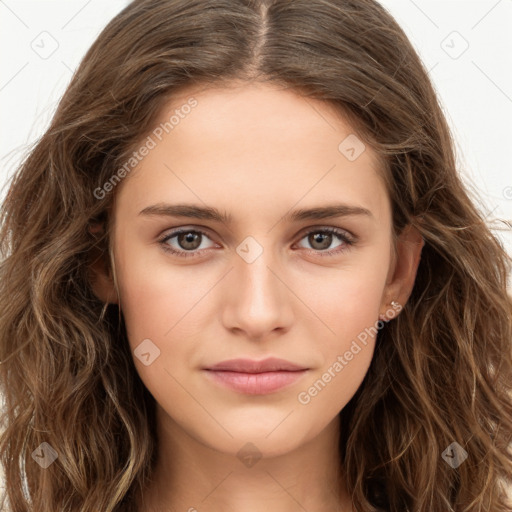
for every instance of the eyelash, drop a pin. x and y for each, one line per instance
(348, 242)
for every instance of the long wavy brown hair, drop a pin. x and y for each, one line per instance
(442, 370)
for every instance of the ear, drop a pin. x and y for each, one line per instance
(403, 268)
(100, 275)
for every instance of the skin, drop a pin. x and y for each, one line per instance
(256, 152)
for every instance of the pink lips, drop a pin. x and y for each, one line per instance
(256, 377)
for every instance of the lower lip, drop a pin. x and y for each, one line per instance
(256, 383)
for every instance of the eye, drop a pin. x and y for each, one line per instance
(189, 241)
(321, 238)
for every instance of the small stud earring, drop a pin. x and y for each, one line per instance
(395, 304)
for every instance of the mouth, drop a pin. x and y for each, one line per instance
(255, 377)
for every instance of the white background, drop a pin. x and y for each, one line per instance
(475, 87)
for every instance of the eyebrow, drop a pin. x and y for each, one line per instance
(209, 213)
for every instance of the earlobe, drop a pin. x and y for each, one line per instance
(100, 277)
(408, 254)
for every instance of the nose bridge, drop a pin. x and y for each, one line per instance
(256, 283)
(258, 298)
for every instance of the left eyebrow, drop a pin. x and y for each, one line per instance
(326, 212)
(213, 214)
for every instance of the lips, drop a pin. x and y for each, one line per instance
(255, 377)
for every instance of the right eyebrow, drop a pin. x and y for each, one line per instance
(187, 210)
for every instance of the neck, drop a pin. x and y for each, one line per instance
(191, 476)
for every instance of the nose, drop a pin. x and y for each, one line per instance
(257, 298)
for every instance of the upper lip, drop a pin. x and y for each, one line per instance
(271, 364)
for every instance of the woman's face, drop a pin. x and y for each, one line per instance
(267, 281)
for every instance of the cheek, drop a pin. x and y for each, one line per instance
(345, 301)
(155, 298)
(348, 306)
(157, 307)
(346, 354)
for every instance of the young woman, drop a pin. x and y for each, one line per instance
(241, 272)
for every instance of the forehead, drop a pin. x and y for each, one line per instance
(255, 112)
(259, 143)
